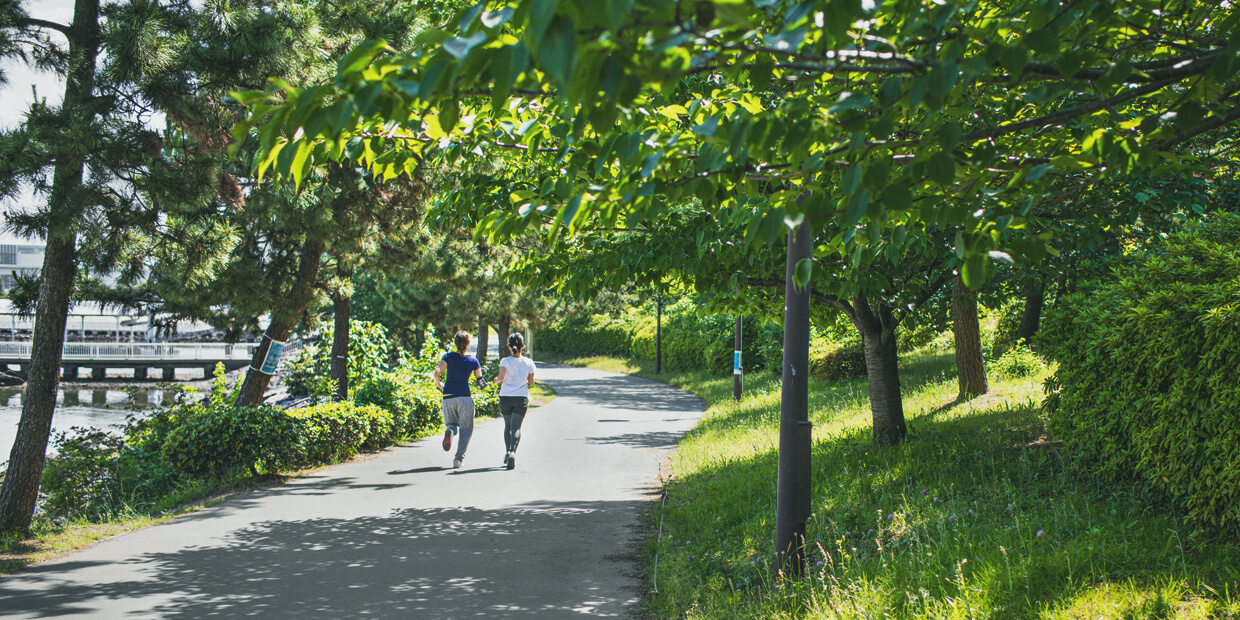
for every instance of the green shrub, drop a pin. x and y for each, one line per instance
(82, 475)
(832, 361)
(1018, 361)
(1147, 383)
(308, 372)
(690, 341)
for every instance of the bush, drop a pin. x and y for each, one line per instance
(1147, 384)
(1019, 361)
(690, 341)
(831, 361)
(309, 372)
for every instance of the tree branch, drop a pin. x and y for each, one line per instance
(32, 22)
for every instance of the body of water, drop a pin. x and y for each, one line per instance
(89, 408)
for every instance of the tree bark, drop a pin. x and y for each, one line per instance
(1032, 316)
(970, 368)
(20, 490)
(882, 371)
(484, 336)
(283, 319)
(505, 325)
(340, 345)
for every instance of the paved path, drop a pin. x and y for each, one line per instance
(403, 535)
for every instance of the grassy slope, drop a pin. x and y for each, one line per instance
(977, 515)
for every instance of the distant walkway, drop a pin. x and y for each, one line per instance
(404, 536)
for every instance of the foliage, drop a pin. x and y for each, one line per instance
(831, 361)
(370, 349)
(691, 339)
(1146, 385)
(1018, 361)
(891, 115)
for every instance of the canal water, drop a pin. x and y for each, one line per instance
(89, 408)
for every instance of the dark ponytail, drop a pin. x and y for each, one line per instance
(516, 342)
(462, 342)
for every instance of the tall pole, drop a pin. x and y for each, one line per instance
(658, 336)
(792, 503)
(737, 380)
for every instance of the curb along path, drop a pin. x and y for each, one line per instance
(403, 535)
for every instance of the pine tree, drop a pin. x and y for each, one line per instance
(118, 191)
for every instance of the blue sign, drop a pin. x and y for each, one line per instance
(274, 353)
(736, 362)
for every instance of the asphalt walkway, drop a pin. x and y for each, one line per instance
(403, 535)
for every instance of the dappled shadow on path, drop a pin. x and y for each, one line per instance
(443, 563)
(627, 393)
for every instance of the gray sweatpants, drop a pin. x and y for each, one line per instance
(458, 416)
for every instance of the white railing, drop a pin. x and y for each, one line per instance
(138, 351)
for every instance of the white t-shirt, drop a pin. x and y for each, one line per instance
(516, 377)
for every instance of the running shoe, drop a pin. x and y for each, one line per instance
(456, 464)
(447, 440)
(512, 461)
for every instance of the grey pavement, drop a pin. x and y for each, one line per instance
(403, 535)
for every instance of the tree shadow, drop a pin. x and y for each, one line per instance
(443, 563)
(624, 393)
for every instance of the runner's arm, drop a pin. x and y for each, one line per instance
(439, 372)
(499, 378)
(530, 379)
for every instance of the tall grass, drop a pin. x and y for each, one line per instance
(978, 514)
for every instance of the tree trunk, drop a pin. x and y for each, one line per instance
(658, 336)
(882, 372)
(484, 335)
(340, 345)
(20, 490)
(505, 324)
(283, 319)
(1032, 315)
(970, 368)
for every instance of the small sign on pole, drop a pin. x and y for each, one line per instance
(272, 361)
(736, 362)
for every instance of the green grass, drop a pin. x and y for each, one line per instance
(977, 515)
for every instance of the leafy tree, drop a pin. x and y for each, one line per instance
(893, 122)
(117, 190)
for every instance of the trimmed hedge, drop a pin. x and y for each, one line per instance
(1147, 384)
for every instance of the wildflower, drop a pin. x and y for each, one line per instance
(923, 491)
(970, 512)
(820, 562)
(936, 499)
(1040, 532)
(890, 517)
(951, 518)
(871, 531)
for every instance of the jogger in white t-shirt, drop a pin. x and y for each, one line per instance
(516, 377)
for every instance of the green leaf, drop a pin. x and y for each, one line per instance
(942, 168)
(495, 19)
(803, 273)
(897, 197)
(856, 207)
(975, 271)
(558, 53)
(949, 135)
(459, 48)
(360, 57)
(1043, 41)
(541, 12)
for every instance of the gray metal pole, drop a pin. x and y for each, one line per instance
(792, 503)
(737, 375)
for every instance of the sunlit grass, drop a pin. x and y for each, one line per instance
(978, 514)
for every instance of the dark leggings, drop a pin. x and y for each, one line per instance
(513, 409)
